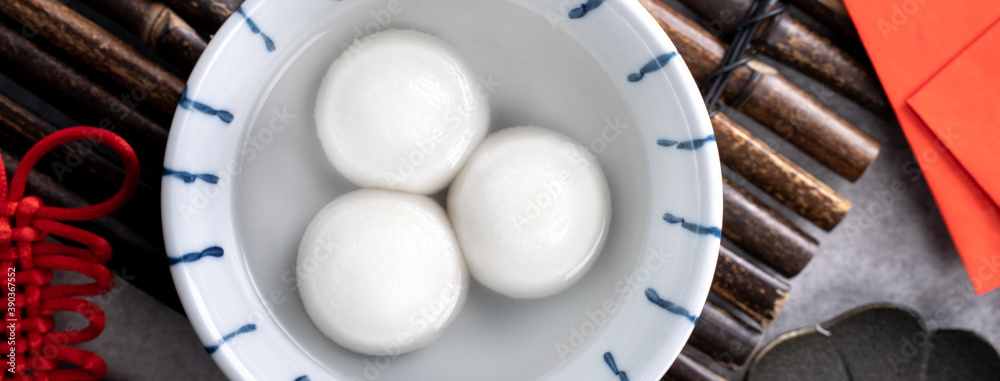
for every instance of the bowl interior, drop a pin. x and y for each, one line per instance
(533, 74)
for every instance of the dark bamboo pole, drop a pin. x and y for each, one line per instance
(788, 40)
(23, 129)
(776, 175)
(53, 78)
(724, 338)
(20, 129)
(842, 147)
(751, 289)
(687, 369)
(763, 233)
(135, 259)
(831, 13)
(207, 14)
(158, 27)
(98, 48)
(759, 91)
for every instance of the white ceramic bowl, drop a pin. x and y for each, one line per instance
(245, 174)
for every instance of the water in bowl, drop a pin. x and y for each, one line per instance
(533, 74)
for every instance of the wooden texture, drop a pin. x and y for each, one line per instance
(831, 13)
(98, 48)
(22, 129)
(811, 126)
(764, 234)
(162, 30)
(751, 289)
(206, 14)
(135, 259)
(788, 40)
(776, 175)
(687, 369)
(807, 51)
(51, 79)
(759, 91)
(724, 338)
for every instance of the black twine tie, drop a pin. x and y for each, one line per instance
(714, 84)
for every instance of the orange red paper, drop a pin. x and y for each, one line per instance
(939, 62)
(965, 98)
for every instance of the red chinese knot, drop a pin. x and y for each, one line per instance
(27, 260)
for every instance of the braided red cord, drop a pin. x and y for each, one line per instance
(41, 354)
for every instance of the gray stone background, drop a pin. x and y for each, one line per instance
(892, 247)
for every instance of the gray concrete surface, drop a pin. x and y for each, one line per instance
(892, 247)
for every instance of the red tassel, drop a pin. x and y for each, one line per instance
(28, 261)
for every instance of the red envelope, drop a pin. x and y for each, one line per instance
(961, 104)
(934, 59)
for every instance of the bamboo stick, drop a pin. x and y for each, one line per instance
(207, 14)
(788, 40)
(158, 27)
(759, 91)
(685, 368)
(98, 48)
(831, 13)
(749, 288)
(41, 71)
(724, 338)
(763, 233)
(776, 175)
